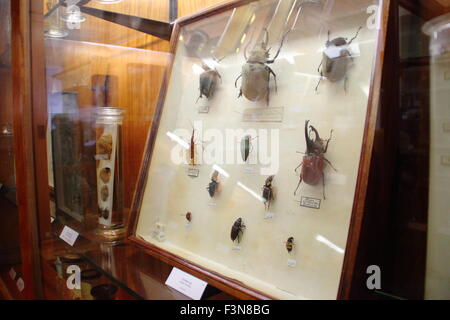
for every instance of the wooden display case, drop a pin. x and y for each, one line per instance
(178, 94)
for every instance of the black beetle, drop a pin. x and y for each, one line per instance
(214, 184)
(256, 72)
(290, 244)
(335, 69)
(268, 192)
(313, 160)
(189, 216)
(208, 82)
(237, 229)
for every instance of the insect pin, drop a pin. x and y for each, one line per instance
(314, 159)
(256, 71)
(290, 244)
(268, 192)
(237, 230)
(214, 184)
(336, 60)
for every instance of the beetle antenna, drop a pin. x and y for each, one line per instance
(356, 36)
(279, 49)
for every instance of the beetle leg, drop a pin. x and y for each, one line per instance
(298, 167)
(235, 83)
(301, 179)
(345, 84)
(274, 77)
(320, 80)
(279, 49)
(328, 161)
(328, 141)
(323, 183)
(357, 33)
(320, 65)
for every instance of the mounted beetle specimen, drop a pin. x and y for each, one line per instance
(268, 192)
(189, 216)
(214, 184)
(313, 160)
(208, 82)
(335, 68)
(246, 147)
(290, 244)
(237, 230)
(256, 72)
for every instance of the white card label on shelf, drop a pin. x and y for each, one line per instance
(20, 284)
(203, 109)
(291, 263)
(269, 215)
(186, 284)
(192, 172)
(69, 235)
(12, 273)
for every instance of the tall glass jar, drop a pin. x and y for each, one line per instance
(109, 164)
(438, 256)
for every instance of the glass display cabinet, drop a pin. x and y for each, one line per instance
(255, 166)
(275, 149)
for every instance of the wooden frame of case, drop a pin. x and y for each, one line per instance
(228, 285)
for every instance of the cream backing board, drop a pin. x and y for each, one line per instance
(437, 279)
(110, 163)
(320, 235)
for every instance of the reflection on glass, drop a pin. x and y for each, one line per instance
(55, 27)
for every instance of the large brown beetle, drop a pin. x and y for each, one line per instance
(237, 229)
(313, 160)
(268, 192)
(256, 72)
(335, 69)
(208, 81)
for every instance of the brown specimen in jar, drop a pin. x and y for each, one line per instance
(104, 146)
(104, 193)
(103, 213)
(105, 174)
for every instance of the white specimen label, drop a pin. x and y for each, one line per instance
(291, 263)
(186, 284)
(69, 235)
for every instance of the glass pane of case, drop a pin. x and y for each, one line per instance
(10, 257)
(255, 163)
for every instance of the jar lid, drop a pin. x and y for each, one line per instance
(104, 291)
(90, 274)
(71, 258)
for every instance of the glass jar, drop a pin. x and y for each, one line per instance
(109, 160)
(104, 292)
(90, 278)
